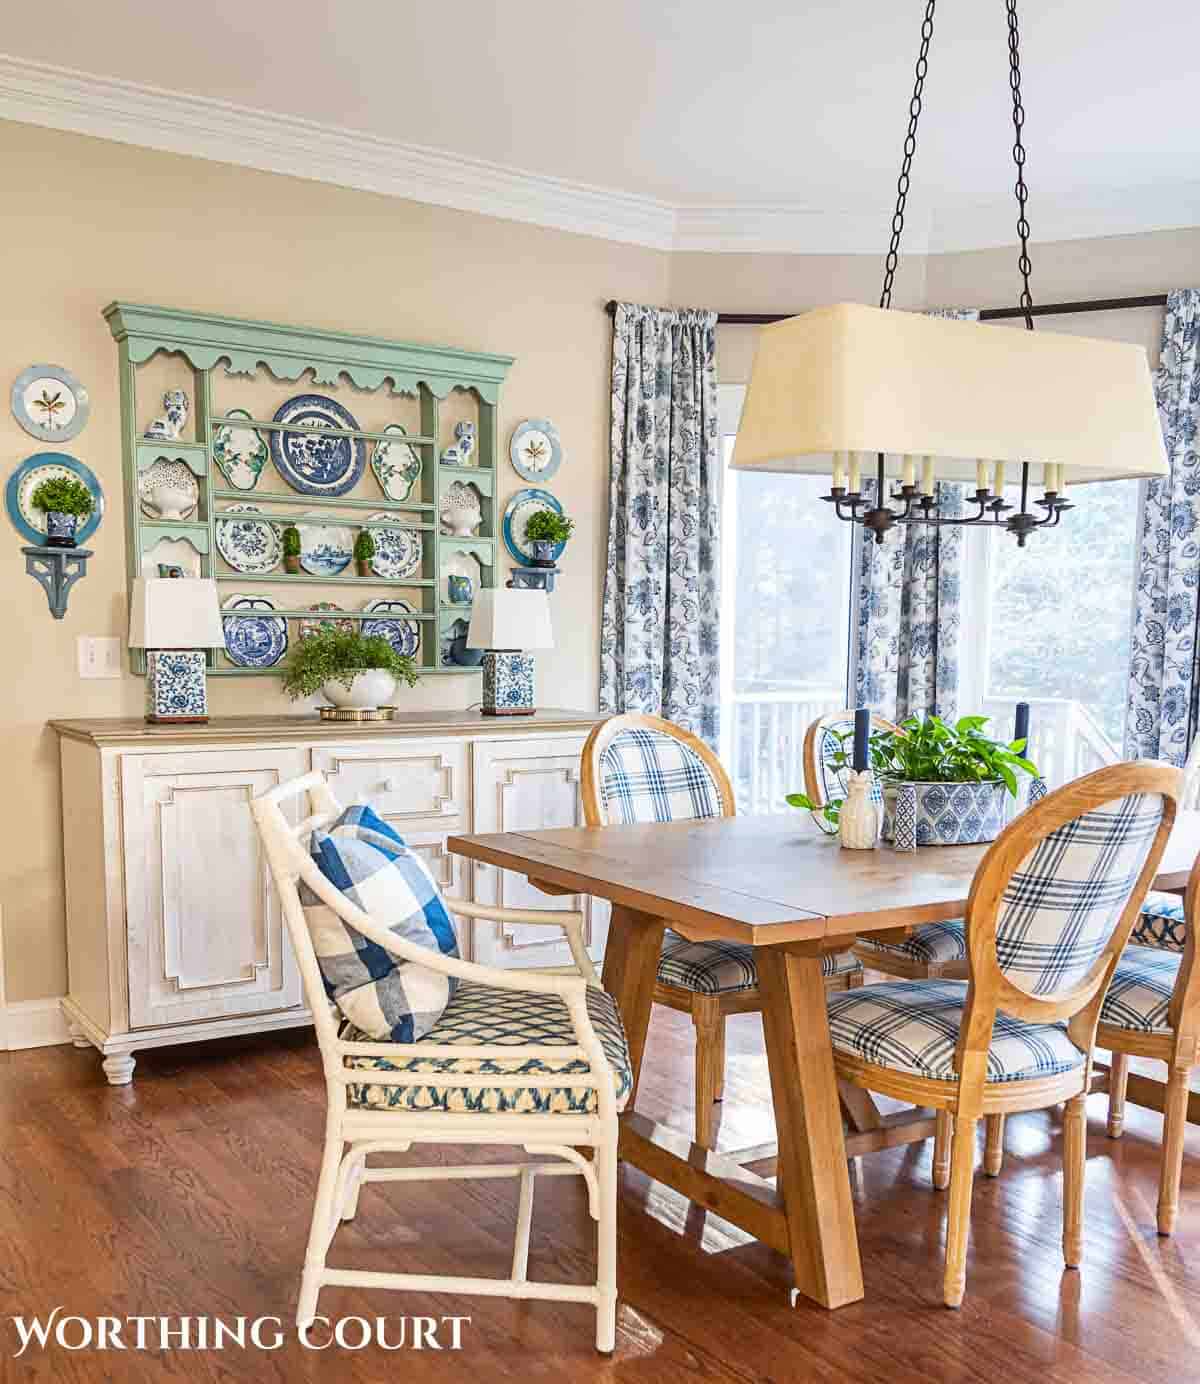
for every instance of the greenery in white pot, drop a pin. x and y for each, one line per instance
(351, 669)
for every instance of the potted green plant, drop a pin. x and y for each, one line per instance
(960, 777)
(291, 549)
(351, 669)
(546, 531)
(364, 551)
(64, 501)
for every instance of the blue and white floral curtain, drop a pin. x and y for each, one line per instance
(909, 590)
(1162, 720)
(659, 641)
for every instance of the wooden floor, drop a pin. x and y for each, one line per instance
(190, 1193)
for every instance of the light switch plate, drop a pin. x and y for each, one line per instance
(99, 656)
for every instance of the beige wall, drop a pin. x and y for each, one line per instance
(95, 221)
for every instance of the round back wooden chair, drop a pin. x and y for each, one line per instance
(1050, 910)
(640, 769)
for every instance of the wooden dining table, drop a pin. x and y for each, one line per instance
(775, 884)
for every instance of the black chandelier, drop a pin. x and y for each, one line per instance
(917, 504)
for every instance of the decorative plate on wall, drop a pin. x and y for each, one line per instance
(311, 463)
(50, 403)
(517, 513)
(30, 523)
(535, 450)
(325, 549)
(254, 638)
(320, 620)
(403, 635)
(249, 545)
(240, 452)
(398, 551)
(396, 465)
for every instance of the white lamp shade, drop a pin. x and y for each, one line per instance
(504, 617)
(175, 613)
(850, 378)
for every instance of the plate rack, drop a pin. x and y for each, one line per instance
(222, 362)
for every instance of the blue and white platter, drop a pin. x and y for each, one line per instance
(248, 545)
(398, 550)
(403, 635)
(396, 465)
(517, 513)
(535, 450)
(309, 462)
(254, 637)
(30, 523)
(325, 549)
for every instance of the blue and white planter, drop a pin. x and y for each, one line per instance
(507, 683)
(950, 814)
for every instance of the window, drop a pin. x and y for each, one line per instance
(785, 626)
(1054, 619)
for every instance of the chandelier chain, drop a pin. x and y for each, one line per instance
(1018, 119)
(910, 145)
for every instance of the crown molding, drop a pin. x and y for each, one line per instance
(133, 113)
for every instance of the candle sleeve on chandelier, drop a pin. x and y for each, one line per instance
(998, 482)
(927, 476)
(839, 471)
(908, 472)
(981, 475)
(855, 473)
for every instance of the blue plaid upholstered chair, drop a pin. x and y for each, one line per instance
(643, 769)
(1152, 1009)
(930, 950)
(1051, 907)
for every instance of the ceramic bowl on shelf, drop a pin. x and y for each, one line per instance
(461, 510)
(168, 490)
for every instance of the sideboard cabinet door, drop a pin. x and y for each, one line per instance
(528, 785)
(206, 938)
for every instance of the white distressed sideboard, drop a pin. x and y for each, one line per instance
(173, 930)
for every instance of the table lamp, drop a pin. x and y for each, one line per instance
(507, 622)
(175, 619)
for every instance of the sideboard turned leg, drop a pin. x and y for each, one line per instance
(118, 1067)
(78, 1037)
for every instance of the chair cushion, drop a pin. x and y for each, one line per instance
(1141, 990)
(719, 968)
(1161, 923)
(648, 776)
(479, 1015)
(929, 944)
(370, 864)
(912, 1026)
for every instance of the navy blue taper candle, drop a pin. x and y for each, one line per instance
(862, 732)
(1021, 727)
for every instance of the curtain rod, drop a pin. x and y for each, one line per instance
(1149, 300)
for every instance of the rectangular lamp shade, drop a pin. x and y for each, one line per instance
(175, 613)
(850, 378)
(504, 617)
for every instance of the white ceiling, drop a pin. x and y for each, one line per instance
(761, 119)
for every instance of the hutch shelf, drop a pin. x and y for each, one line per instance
(237, 374)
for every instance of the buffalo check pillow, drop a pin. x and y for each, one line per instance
(370, 864)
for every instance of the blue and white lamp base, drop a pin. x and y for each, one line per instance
(507, 683)
(176, 685)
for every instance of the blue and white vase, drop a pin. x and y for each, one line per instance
(904, 829)
(169, 425)
(1038, 788)
(507, 683)
(60, 529)
(176, 686)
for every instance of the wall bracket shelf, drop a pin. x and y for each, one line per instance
(56, 570)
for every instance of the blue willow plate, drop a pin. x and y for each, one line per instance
(403, 635)
(309, 462)
(257, 638)
(517, 513)
(30, 523)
